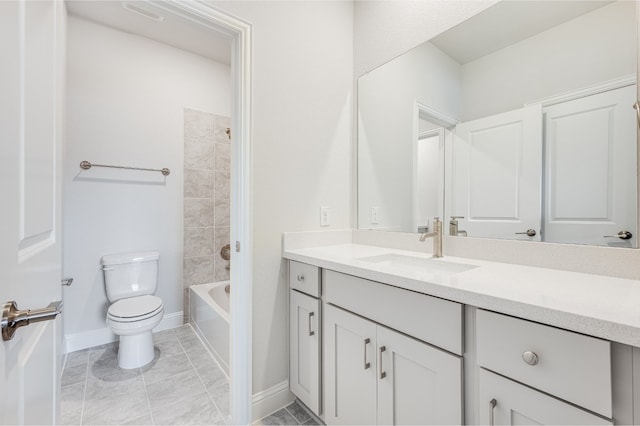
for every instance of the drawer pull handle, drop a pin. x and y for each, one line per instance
(311, 332)
(382, 373)
(300, 277)
(366, 364)
(530, 358)
(492, 405)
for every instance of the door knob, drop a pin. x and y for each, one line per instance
(528, 233)
(623, 235)
(14, 318)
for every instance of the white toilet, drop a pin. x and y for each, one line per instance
(131, 279)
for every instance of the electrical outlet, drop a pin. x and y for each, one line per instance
(375, 212)
(325, 216)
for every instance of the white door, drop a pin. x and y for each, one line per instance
(30, 131)
(350, 366)
(417, 383)
(505, 402)
(590, 162)
(497, 175)
(304, 347)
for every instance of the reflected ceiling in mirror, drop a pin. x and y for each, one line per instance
(567, 67)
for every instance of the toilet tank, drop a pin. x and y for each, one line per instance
(130, 274)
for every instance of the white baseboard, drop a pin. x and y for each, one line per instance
(100, 336)
(270, 400)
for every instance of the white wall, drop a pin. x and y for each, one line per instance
(564, 58)
(125, 100)
(302, 68)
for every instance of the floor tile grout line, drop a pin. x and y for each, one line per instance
(198, 374)
(84, 391)
(146, 394)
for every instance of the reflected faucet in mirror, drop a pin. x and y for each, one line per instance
(453, 227)
(436, 234)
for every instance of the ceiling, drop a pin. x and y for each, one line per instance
(506, 23)
(137, 17)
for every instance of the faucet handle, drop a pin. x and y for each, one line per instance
(457, 217)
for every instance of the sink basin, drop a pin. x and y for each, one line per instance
(439, 266)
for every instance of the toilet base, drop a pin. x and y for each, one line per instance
(136, 350)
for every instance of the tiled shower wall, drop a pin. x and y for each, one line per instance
(207, 163)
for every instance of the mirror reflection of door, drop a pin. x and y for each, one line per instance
(497, 175)
(589, 192)
(428, 149)
(590, 169)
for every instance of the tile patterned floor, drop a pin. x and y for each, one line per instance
(292, 414)
(182, 385)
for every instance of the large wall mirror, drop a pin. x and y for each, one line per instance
(518, 123)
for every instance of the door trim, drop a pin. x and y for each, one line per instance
(240, 33)
(425, 112)
(616, 83)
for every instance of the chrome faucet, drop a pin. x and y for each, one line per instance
(453, 227)
(436, 234)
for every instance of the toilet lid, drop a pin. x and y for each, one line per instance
(135, 307)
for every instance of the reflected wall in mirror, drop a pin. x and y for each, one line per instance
(532, 104)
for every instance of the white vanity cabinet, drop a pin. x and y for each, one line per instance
(376, 375)
(533, 373)
(305, 335)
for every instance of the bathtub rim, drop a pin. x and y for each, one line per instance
(202, 290)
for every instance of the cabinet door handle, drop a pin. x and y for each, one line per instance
(300, 277)
(311, 332)
(366, 364)
(382, 373)
(492, 405)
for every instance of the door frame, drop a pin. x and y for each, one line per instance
(425, 112)
(239, 32)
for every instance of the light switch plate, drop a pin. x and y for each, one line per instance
(325, 216)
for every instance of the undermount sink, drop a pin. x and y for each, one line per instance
(439, 266)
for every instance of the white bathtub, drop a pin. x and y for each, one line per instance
(209, 316)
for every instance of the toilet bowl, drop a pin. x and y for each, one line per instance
(130, 281)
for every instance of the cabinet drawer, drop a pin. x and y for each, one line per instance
(571, 366)
(513, 403)
(305, 278)
(432, 320)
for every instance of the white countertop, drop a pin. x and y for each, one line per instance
(596, 305)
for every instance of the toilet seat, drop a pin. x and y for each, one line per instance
(134, 309)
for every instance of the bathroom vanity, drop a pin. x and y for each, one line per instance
(385, 336)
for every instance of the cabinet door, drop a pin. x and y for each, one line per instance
(350, 366)
(417, 383)
(304, 349)
(517, 404)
